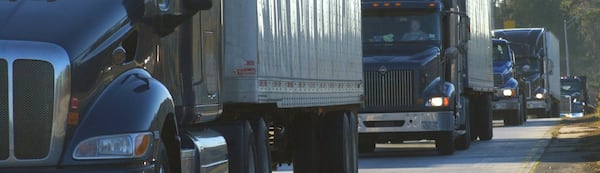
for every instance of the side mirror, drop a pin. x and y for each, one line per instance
(179, 14)
(198, 4)
(525, 68)
(451, 53)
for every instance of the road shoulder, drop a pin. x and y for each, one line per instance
(575, 147)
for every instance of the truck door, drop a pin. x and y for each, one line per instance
(206, 65)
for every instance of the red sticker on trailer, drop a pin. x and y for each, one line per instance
(245, 71)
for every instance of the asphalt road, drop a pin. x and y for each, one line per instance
(512, 149)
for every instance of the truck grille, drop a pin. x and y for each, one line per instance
(33, 97)
(498, 81)
(3, 110)
(389, 90)
(565, 104)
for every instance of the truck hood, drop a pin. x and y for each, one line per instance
(75, 25)
(402, 59)
(501, 66)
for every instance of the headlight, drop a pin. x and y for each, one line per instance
(539, 95)
(574, 100)
(507, 92)
(114, 146)
(437, 102)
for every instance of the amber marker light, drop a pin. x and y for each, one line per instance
(142, 143)
(431, 4)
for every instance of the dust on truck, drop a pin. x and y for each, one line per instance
(159, 86)
(435, 84)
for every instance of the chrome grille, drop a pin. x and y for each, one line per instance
(391, 89)
(529, 92)
(33, 96)
(498, 81)
(4, 151)
(565, 104)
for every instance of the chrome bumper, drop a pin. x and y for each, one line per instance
(405, 122)
(536, 104)
(506, 104)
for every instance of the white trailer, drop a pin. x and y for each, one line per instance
(294, 66)
(552, 48)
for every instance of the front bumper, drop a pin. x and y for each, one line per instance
(405, 122)
(506, 104)
(536, 104)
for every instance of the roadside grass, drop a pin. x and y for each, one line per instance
(590, 142)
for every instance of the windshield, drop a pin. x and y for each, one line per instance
(567, 87)
(501, 53)
(396, 25)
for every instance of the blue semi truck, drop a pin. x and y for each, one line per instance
(427, 73)
(509, 102)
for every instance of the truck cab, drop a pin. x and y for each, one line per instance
(509, 102)
(574, 97)
(426, 76)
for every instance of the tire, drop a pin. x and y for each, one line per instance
(162, 160)
(353, 141)
(305, 154)
(338, 151)
(523, 107)
(366, 144)
(263, 153)
(463, 141)
(444, 143)
(484, 114)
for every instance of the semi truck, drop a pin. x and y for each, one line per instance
(537, 52)
(427, 73)
(574, 96)
(509, 102)
(179, 85)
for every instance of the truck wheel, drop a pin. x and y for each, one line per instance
(261, 138)
(168, 154)
(463, 141)
(339, 154)
(523, 107)
(366, 144)
(353, 141)
(485, 117)
(306, 144)
(444, 143)
(162, 164)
